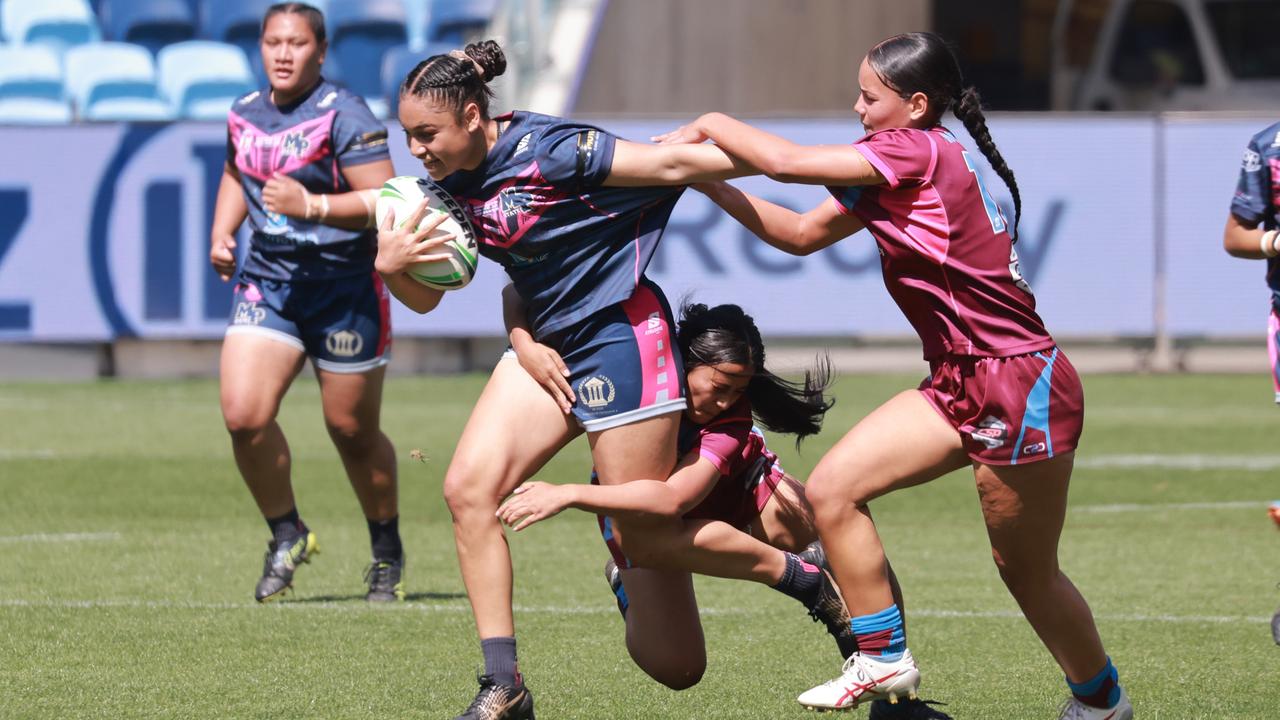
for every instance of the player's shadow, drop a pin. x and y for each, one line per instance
(409, 597)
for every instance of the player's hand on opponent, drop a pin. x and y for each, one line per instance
(222, 255)
(547, 367)
(401, 247)
(282, 194)
(534, 501)
(681, 135)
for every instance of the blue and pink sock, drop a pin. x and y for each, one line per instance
(880, 635)
(1101, 690)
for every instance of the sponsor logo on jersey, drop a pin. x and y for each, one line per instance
(523, 145)
(1252, 161)
(328, 99)
(514, 201)
(596, 392)
(1276, 142)
(1034, 449)
(370, 140)
(654, 324)
(991, 432)
(250, 97)
(344, 343)
(248, 313)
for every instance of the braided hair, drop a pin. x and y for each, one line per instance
(922, 62)
(458, 78)
(727, 334)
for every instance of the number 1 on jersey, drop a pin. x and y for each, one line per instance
(993, 210)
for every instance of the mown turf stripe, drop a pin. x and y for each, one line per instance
(1182, 462)
(1157, 507)
(60, 537)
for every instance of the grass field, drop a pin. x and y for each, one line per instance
(129, 549)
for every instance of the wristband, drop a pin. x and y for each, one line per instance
(1268, 243)
(324, 206)
(308, 210)
(370, 216)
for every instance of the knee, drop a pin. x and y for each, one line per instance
(350, 436)
(466, 493)
(244, 421)
(682, 674)
(1024, 575)
(829, 496)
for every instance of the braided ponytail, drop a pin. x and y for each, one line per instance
(458, 78)
(967, 106)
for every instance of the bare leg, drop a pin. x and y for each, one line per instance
(664, 632)
(255, 373)
(513, 430)
(352, 407)
(1024, 507)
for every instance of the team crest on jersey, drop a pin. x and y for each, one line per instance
(505, 217)
(248, 313)
(344, 343)
(296, 144)
(596, 391)
(1252, 161)
(991, 432)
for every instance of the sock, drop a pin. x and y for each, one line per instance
(800, 580)
(500, 660)
(384, 538)
(880, 634)
(287, 526)
(1101, 690)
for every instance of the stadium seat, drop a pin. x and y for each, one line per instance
(114, 81)
(201, 78)
(150, 23)
(30, 71)
(397, 63)
(360, 33)
(34, 111)
(62, 23)
(456, 22)
(238, 22)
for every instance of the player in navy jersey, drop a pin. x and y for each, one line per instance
(736, 513)
(573, 214)
(1001, 398)
(1253, 233)
(303, 159)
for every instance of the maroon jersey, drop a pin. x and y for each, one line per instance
(945, 249)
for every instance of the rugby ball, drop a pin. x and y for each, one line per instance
(402, 195)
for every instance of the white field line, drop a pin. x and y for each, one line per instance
(1156, 507)
(459, 607)
(1193, 461)
(59, 537)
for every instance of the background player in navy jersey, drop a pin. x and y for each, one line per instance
(573, 215)
(743, 517)
(1002, 398)
(301, 155)
(1253, 233)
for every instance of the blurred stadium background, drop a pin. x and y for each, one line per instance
(1124, 121)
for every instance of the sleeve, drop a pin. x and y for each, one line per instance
(903, 156)
(722, 442)
(358, 136)
(1250, 200)
(575, 157)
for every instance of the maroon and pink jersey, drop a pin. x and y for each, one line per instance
(945, 250)
(749, 471)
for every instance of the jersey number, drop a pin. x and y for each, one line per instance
(993, 210)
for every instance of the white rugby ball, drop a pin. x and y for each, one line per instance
(402, 196)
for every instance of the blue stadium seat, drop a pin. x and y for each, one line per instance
(150, 23)
(34, 111)
(30, 71)
(239, 23)
(114, 81)
(201, 78)
(360, 33)
(397, 63)
(62, 23)
(457, 21)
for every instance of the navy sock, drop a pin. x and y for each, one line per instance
(384, 538)
(500, 660)
(1101, 690)
(286, 526)
(800, 580)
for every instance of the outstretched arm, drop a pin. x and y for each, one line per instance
(789, 231)
(637, 499)
(1242, 241)
(777, 157)
(637, 164)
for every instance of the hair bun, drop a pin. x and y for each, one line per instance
(489, 56)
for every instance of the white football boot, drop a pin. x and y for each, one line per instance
(865, 678)
(1073, 709)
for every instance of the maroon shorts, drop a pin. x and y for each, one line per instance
(1009, 410)
(737, 501)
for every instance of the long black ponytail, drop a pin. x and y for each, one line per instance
(727, 334)
(924, 63)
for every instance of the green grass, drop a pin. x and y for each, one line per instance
(154, 618)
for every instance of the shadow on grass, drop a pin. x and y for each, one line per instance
(409, 597)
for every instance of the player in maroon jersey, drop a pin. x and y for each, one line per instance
(1001, 396)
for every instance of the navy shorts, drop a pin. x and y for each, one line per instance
(344, 325)
(623, 362)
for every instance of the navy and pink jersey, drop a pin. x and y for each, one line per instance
(1257, 198)
(749, 471)
(571, 245)
(311, 140)
(945, 250)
